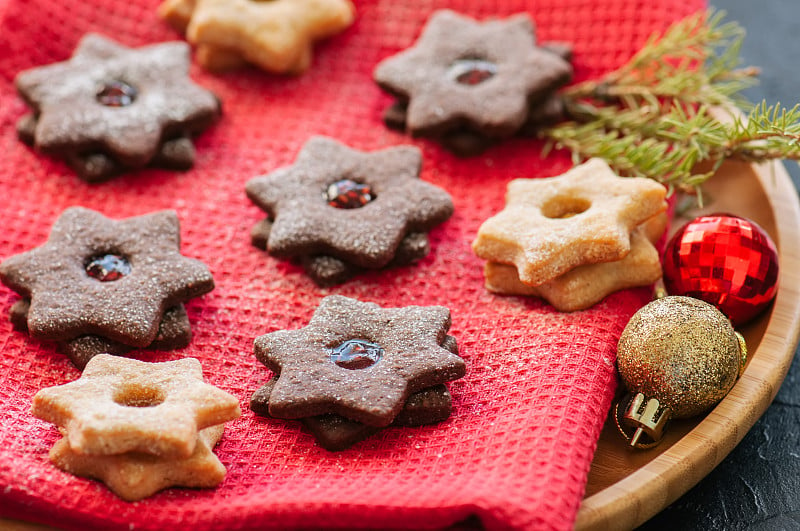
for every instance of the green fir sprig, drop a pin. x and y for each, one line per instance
(671, 107)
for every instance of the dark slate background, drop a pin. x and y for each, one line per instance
(758, 485)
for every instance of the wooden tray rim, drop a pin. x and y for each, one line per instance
(639, 496)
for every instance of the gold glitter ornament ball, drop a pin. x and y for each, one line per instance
(681, 351)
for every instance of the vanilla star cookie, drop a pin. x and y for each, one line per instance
(134, 475)
(122, 405)
(277, 36)
(587, 285)
(552, 225)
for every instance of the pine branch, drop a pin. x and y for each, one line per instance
(652, 116)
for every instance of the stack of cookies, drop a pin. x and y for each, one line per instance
(110, 109)
(336, 432)
(575, 238)
(357, 368)
(340, 211)
(106, 286)
(138, 427)
(276, 36)
(469, 84)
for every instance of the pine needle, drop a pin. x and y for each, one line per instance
(653, 117)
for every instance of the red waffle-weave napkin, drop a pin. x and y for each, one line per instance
(527, 416)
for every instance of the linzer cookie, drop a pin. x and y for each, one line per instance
(174, 332)
(552, 225)
(341, 211)
(110, 109)
(471, 83)
(138, 427)
(328, 271)
(584, 286)
(334, 432)
(277, 36)
(358, 360)
(101, 285)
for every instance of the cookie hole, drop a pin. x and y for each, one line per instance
(347, 194)
(356, 354)
(562, 207)
(107, 267)
(116, 93)
(133, 395)
(471, 71)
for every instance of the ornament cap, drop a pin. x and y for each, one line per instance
(641, 420)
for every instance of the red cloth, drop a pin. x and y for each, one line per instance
(527, 415)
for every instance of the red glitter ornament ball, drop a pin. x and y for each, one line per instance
(725, 260)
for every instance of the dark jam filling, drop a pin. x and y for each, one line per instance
(108, 267)
(116, 94)
(355, 354)
(347, 193)
(471, 71)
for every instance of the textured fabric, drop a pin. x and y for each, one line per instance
(527, 415)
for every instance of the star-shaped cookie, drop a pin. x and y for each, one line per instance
(552, 225)
(277, 36)
(358, 360)
(122, 405)
(587, 285)
(133, 476)
(329, 271)
(116, 103)
(482, 76)
(334, 432)
(173, 154)
(389, 202)
(465, 142)
(174, 331)
(111, 278)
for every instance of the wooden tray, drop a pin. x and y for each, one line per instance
(626, 487)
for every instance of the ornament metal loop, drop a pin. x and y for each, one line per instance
(641, 420)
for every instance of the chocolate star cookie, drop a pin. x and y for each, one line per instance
(174, 331)
(122, 405)
(552, 225)
(329, 271)
(110, 108)
(277, 36)
(358, 360)
(481, 77)
(463, 141)
(110, 278)
(363, 209)
(173, 154)
(334, 432)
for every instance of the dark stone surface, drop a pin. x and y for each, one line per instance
(758, 485)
